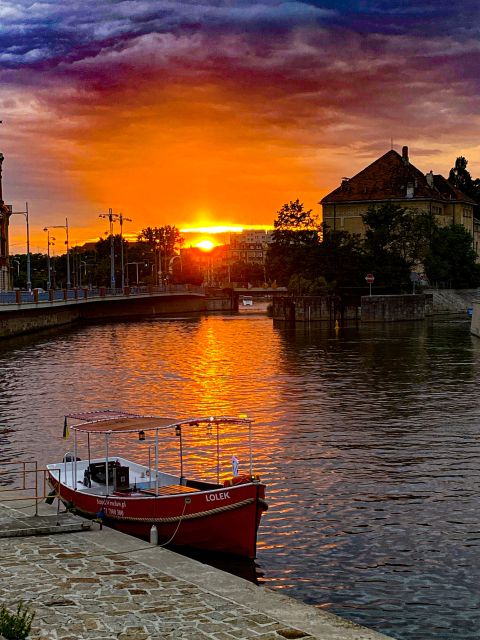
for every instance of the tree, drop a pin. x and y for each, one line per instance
(460, 177)
(451, 259)
(396, 241)
(295, 226)
(339, 259)
(296, 233)
(164, 242)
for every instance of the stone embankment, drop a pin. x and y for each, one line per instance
(98, 584)
(24, 318)
(452, 300)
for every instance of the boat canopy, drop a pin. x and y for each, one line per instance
(108, 421)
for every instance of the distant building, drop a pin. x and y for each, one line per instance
(393, 178)
(5, 212)
(249, 246)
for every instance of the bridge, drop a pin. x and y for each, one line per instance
(24, 312)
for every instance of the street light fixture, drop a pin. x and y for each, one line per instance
(49, 270)
(25, 214)
(63, 226)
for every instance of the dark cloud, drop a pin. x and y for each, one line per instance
(327, 72)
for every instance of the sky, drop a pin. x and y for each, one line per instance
(217, 112)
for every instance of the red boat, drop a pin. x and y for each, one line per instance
(165, 508)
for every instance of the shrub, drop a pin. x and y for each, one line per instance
(16, 626)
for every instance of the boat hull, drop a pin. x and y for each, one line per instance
(222, 520)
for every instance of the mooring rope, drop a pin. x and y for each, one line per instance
(188, 516)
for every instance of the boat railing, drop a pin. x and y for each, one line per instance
(24, 480)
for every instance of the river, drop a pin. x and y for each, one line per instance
(367, 438)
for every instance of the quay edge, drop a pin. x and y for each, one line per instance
(106, 582)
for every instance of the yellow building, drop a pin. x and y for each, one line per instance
(393, 178)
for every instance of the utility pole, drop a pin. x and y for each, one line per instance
(114, 217)
(122, 219)
(25, 214)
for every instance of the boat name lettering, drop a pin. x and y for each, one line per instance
(223, 495)
(111, 503)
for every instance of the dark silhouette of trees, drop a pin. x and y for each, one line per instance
(460, 177)
(451, 259)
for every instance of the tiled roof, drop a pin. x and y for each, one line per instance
(449, 191)
(394, 177)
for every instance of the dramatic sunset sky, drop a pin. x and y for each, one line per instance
(210, 112)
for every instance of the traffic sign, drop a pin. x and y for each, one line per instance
(370, 278)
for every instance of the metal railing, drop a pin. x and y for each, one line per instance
(85, 293)
(28, 480)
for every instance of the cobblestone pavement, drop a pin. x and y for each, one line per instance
(77, 591)
(102, 584)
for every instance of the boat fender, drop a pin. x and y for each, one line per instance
(153, 535)
(51, 496)
(240, 480)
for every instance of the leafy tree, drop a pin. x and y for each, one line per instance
(165, 240)
(294, 225)
(296, 232)
(396, 241)
(460, 177)
(301, 286)
(241, 271)
(451, 259)
(339, 259)
(190, 272)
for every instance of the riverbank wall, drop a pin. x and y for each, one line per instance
(393, 308)
(19, 319)
(374, 308)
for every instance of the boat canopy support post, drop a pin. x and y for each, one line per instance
(106, 461)
(74, 462)
(156, 462)
(250, 445)
(178, 434)
(218, 453)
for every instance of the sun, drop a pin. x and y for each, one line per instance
(205, 245)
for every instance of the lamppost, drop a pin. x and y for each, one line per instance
(25, 214)
(49, 270)
(63, 226)
(136, 264)
(80, 272)
(114, 217)
(122, 219)
(17, 262)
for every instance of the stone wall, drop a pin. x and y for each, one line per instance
(392, 308)
(36, 317)
(14, 323)
(313, 308)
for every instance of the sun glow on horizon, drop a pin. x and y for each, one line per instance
(205, 245)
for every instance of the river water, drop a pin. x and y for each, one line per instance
(368, 439)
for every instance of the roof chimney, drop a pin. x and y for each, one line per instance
(405, 154)
(429, 178)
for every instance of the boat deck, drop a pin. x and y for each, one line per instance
(142, 481)
(168, 490)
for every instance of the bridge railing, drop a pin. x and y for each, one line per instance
(85, 293)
